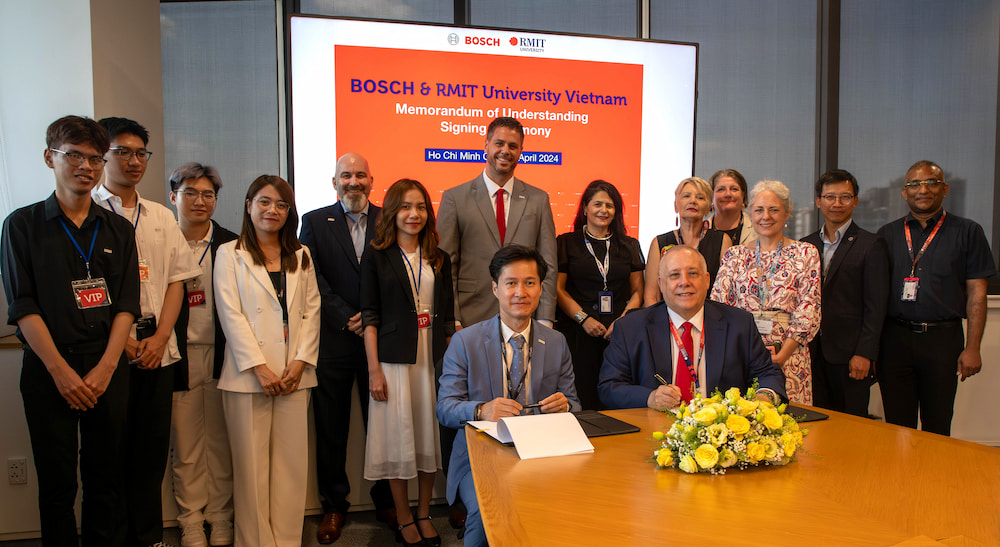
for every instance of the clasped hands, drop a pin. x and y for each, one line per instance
(505, 408)
(286, 384)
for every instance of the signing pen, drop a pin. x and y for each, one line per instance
(661, 380)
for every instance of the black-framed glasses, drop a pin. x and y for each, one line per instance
(931, 184)
(266, 203)
(834, 198)
(126, 154)
(207, 196)
(76, 159)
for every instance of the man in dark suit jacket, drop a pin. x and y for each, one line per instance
(469, 226)
(477, 366)
(855, 293)
(643, 345)
(336, 236)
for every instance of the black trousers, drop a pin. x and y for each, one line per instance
(54, 428)
(833, 386)
(332, 414)
(917, 374)
(147, 443)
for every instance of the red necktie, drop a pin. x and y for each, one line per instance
(684, 380)
(501, 217)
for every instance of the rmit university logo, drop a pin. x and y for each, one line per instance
(453, 39)
(513, 40)
(535, 45)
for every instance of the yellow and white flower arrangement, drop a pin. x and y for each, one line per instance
(724, 431)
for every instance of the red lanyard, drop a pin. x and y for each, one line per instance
(909, 240)
(684, 354)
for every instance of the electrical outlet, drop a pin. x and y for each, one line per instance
(17, 471)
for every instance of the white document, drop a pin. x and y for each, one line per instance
(539, 435)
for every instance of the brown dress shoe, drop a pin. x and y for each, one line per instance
(330, 528)
(387, 516)
(457, 518)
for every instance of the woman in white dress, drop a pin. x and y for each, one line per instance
(408, 313)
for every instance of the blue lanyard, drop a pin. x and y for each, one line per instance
(764, 283)
(138, 210)
(86, 259)
(417, 277)
(210, 240)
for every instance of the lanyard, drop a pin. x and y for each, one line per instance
(764, 283)
(514, 390)
(86, 259)
(205, 252)
(692, 369)
(417, 277)
(135, 221)
(909, 241)
(701, 235)
(603, 268)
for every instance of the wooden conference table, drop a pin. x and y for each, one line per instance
(865, 483)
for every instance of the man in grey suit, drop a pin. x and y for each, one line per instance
(496, 367)
(472, 226)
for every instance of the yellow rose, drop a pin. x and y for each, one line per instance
(706, 415)
(772, 419)
(746, 407)
(733, 395)
(687, 464)
(788, 443)
(658, 436)
(717, 434)
(788, 422)
(719, 408)
(755, 451)
(664, 458)
(738, 424)
(707, 456)
(770, 448)
(727, 458)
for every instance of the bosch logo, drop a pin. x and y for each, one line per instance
(453, 39)
(482, 41)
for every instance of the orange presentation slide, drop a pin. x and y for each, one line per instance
(423, 115)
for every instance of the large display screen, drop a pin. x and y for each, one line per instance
(415, 100)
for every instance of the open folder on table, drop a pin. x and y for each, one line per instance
(539, 436)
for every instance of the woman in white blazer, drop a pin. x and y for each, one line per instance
(268, 303)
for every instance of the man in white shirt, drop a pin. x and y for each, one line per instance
(165, 262)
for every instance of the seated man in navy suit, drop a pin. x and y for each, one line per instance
(694, 345)
(495, 368)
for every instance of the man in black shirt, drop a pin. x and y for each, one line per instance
(71, 277)
(939, 266)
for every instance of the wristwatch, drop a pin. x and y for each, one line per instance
(580, 317)
(479, 409)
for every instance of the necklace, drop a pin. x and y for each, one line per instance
(592, 236)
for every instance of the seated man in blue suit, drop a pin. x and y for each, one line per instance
(721, 345)
(496, 367)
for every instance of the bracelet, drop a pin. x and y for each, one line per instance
(580, 316)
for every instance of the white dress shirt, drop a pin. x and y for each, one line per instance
(698, 324)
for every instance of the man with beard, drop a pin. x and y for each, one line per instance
(337, 236)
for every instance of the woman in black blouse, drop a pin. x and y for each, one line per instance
(693, 202)
(600, 279)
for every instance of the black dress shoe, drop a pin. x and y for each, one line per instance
(387, 516)
(457, 518)
(401, 539)
(330, 528)
(430, 541)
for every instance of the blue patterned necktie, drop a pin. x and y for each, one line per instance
(517, 367)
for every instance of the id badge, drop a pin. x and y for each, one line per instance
(764, 326)
(604, 302)
(910, 286)
(91, 293)
(143, 270)
(424, 319)
(196, 298)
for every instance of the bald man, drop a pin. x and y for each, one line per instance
(337, 236)
(646, 343)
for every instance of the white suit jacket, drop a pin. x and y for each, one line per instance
(252, 320)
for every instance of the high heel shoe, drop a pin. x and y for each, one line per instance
(431, 541)
(401, 539)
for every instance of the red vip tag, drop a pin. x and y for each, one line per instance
(196, 298)
(423, 320)
(92, 298)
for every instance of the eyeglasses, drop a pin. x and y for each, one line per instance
(76, 159)
(833, 198)
(207, 196)
(126, 154)
(931, 184)
(266, 203)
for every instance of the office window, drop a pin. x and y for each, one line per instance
(919, 81)
(430, 11)
(757, 90)
(220, 93)
(600, 17)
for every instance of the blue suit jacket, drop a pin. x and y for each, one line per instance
(473, 374)
(640, 347)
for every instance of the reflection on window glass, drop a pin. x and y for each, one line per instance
(431, 11)
(756, 90)
(220, 93)
(919, 82)
(601, 17)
